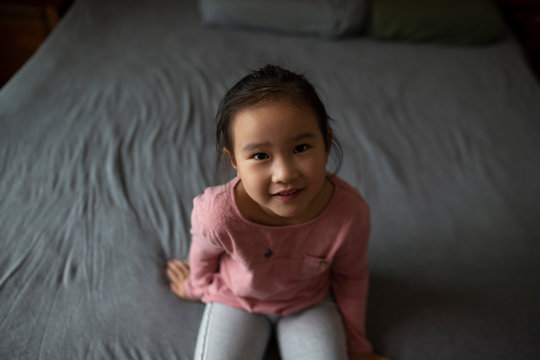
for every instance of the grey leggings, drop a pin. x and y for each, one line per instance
(234, 334)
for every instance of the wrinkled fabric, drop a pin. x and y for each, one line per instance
(106, 136)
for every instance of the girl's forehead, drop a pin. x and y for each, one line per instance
(273, 123)
(275, 113)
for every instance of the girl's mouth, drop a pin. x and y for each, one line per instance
(287, 195)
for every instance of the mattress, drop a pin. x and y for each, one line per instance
(107, 134)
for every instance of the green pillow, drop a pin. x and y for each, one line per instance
(464, 22)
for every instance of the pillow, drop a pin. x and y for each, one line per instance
(315, 17)
(463, 22)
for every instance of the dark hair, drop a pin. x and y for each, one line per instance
(272, 83)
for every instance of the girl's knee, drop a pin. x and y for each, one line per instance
(229, 333)
(315, 333)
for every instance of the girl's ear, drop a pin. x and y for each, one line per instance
(231, 157)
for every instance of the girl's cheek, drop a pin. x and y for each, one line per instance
(316, 162)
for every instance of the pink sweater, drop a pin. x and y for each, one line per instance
(282, 269)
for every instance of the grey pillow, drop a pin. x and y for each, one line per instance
(313, 17)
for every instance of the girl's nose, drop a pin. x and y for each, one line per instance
(284, 171)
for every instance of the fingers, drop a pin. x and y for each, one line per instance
(178, 290)
(178, 273)
(177, 270)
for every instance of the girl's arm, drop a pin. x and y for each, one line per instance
(350, 282)
(190, 280)
(204, 259)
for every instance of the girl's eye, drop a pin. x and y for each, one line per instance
(301, 148)
(260, 156)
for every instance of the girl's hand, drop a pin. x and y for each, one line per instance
(366, 356)
(178, 273)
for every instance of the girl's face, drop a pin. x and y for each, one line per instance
(280, 157)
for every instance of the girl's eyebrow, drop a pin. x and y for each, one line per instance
(306, 135)
(252, 146)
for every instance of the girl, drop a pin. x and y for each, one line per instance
(283, 245)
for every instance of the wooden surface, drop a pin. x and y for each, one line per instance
(523, 17)
(24, 25)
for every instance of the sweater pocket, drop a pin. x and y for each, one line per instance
(314, 266)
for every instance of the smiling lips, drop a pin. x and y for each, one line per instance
(287, 194)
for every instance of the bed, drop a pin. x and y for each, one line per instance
(107, 134)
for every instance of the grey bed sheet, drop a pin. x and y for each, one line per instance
(106, 135)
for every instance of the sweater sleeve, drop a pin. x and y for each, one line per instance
(204, 258)
(350, 282)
